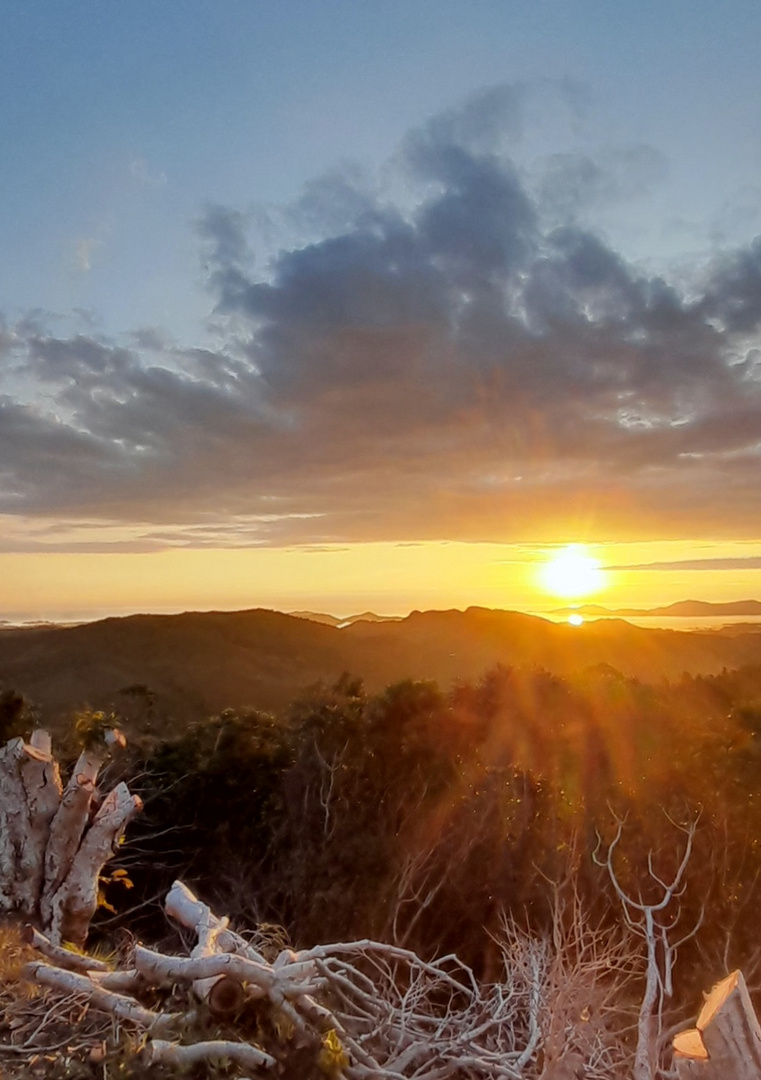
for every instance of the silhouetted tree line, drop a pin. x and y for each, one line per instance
(421, 816)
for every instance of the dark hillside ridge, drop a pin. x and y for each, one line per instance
(197, 664)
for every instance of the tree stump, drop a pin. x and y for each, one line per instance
(54, 842)
(725, 1043)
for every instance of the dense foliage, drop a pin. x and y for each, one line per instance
(421, 816)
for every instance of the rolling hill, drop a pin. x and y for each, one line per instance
(196, 664)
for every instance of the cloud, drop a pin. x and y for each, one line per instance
(744, 562)
(84, 250)
(733, 292)
(571, 183)
(443, 358)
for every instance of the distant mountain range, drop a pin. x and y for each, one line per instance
(682, 608)
(196, 664)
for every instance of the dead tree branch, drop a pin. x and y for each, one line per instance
(654, 921)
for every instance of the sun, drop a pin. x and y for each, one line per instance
(572, 573)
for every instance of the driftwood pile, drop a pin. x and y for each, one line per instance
(360, 1010)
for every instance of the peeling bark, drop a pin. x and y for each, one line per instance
(14, 827)
(68, 827)
(52, 849)
(76, 901)
(41, 780)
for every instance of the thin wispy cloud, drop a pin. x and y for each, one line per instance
(84, 251)
(744, 562)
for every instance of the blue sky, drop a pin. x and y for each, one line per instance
(120, 121)
(353, 272)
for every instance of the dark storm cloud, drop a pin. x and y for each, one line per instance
(733, 294)
(444, 364)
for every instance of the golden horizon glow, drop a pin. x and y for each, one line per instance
(344, 579)
(572, 573)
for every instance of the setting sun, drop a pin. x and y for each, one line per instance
(572, 573)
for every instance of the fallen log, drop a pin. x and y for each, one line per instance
(119, 1005)
(223, 993)
(158, 968)
(185, 908)
(167, 1053)
(725, 1043)
(63, 958)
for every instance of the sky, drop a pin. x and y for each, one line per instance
(350, 305)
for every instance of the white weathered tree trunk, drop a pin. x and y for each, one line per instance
(67, 827)
(52, 848)
(222, 992)
(30, 790)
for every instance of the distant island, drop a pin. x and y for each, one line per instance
(682, 608)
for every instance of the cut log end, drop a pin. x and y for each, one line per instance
(226, 997)
(725, 1043)
(717, 997)
(689, 1044)
(36, 754)
(40, 739)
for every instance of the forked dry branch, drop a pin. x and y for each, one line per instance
(655, 921)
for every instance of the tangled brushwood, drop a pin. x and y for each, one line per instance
(577, 999)
(358, 1010)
